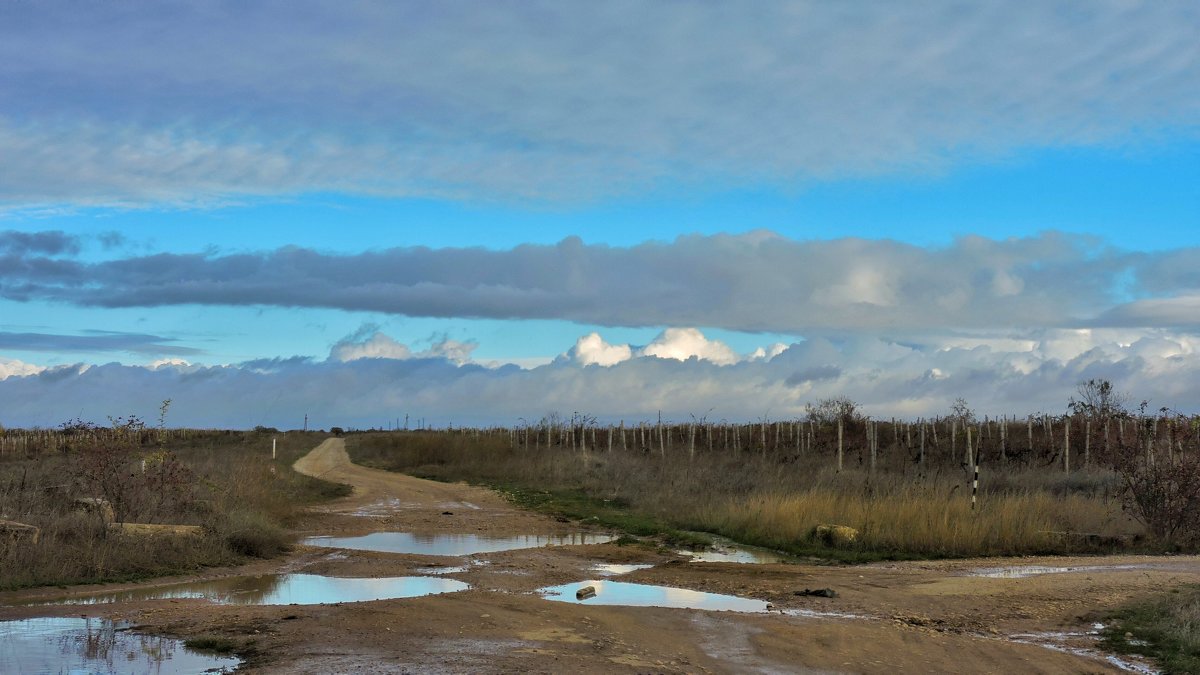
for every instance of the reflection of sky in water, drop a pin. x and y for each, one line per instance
(612, 569)
(645, 595)
(73, 645)
(451, 544)
(727, 550)
(283, 589)
(1035, 570)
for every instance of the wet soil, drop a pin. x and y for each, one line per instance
(908, 617)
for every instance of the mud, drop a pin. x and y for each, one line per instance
(908, 617)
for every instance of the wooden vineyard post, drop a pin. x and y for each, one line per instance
(1067, 445)
(1087, 442)
(922, 423)
(839, 455)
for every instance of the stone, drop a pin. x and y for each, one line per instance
(151, 530)
(96, 505)
(836, 536)
(12, 531)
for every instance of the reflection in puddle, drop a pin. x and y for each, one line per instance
(97, 646)
(282, 589)
(819, 614)
(450, 544)
(441, 570)
(612, 570)
(385, 507)
(1036, 570)
(727, 550)
(1082, 644)
(644, 595)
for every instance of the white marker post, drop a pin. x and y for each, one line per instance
(272, 448)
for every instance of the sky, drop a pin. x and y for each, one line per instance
(487, 213)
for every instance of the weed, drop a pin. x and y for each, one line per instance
(1165, 627)
(212, 644)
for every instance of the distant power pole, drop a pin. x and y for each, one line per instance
(306, 421)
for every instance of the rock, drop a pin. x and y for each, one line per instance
(447, 513)
(585, 592)
(836, 536)
(12, 531)
(819, 593)
(148, 530)
(97, 505)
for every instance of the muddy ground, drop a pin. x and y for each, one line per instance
(909, 617)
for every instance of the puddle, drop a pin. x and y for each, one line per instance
(612, 570)
(72, 645)
(1023, 572)
(644, 595)
(451, 544)
(818, 614)
(281, 589)
(441, 570)
(727, 550)
(1078, 644)
(384, 507)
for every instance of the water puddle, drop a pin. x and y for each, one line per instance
(644, 595)
(451, 544)
(727, 550)
(384, 507)
(72, 645)
(281, 589)
(818, 614)
(1081, 644)
(612, 570)
(441, 570)
(1022, 572)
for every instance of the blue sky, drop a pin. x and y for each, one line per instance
(920, 196)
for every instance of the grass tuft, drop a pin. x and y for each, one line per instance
(1165, 627)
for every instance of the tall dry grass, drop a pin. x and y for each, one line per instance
(228, 485)
(899, 510)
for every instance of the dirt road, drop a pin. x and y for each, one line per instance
(914, 617)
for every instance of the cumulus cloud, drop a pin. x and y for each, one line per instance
(541, 100)
(888, 378)
(685, 343)
(679, 344)
(15, 368)
(591, 349)
(369, 343)
(753, 282)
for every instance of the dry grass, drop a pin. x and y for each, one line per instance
(761, 498)
(230, 487)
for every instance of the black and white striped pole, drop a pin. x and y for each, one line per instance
(975, 484)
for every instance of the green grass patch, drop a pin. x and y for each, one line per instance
(211, 644)
(1165, 627)
(611, 513)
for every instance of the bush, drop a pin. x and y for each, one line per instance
(253, 534)
(1164, 496)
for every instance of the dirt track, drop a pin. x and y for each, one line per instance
(916, 617)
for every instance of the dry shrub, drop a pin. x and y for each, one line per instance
(223, 481)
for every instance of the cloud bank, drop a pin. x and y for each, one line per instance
(753, 282)
(1012, 375)
(139, 103)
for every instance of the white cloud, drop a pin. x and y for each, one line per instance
(368, 343)
(16, 368)
(544, 100)
(592, 349)
(684, 343)
(888, 378)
